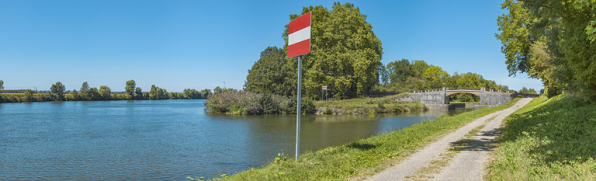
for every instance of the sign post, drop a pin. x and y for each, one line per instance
(299, 44)
(324, 88)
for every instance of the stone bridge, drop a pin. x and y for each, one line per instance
(442, 96)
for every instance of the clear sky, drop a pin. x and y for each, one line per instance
(200, 44)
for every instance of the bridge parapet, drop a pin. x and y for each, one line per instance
(441, 96)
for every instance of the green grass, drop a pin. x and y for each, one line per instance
(365, 156)
(548, 139)
(360, 102)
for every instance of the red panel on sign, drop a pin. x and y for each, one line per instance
(299, 23)
(299, 48)
(299, 36)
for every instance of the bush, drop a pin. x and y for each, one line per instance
(248, 103)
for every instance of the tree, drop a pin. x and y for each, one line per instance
(57, 91)
(553, 41)
(272, 73)
(399, 71)
(436, 77)
(85, 91)
(28, 95)
(418, 67)
(345, 52)
(139, 93)
(93, 94)
(130, 88)
(383, 75)
(1, 85)
(75, 95)
(105, 93)
(157, 93)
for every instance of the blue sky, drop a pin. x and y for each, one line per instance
(200, 44)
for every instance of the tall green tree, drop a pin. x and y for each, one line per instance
(130, 88)
(399, 71)
(551, 40)
(436, 77)
(1, 85)
(418, 67)
(272, 73)
(105, 92)
(85, 91)
(57, 91)
(345, 52)
(139, 93)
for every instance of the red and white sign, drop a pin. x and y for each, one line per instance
(324, 87)
(299, 36)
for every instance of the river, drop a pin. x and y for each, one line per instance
(162, 140)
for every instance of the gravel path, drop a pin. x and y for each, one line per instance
(466, 165)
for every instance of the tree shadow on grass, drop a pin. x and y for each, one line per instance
(565, 127)
(477, 144)
(361, 146)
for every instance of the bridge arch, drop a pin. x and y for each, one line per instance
(460, 92)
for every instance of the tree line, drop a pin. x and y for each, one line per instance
(58, 92)
(346, 56)
(552, 41)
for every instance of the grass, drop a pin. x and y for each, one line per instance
(361, 102)
(548, 139)
(364, 156)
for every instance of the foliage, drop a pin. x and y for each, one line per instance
(157, 93)
(525, 90)
(105, 93)
(130, 87)
(57, 91)
(138, 93)
(345, 52)
(28, 95)
(361, 156)
(548, 139)
(1, 85)
(553, 41)
(248, 103)
(436, 77)
(272, 73)
(399, 71)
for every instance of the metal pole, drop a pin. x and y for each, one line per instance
(298, 112)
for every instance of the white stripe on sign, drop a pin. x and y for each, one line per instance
(298, 36)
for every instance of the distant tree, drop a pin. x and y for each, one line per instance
(399, 71)
(217, 90)
(105, 92)
(93, 94)
(272, 73)
(418, 67)
(157, 93)
(85, 91)
(130, 88)
(1, 85)
(28, 95)
(75, 95)
(57, 91)
(205, 93)
(436, 76)
(139, 93)
(383, 75)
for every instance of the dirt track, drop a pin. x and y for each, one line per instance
(467, 164)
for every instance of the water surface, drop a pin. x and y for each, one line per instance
(161, 140)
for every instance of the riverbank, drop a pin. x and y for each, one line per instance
(362, 157)
(549, 139)
(45, 97)
(369, 105)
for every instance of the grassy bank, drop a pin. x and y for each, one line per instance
(364, 156)
(369, 105)
(548, 139)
